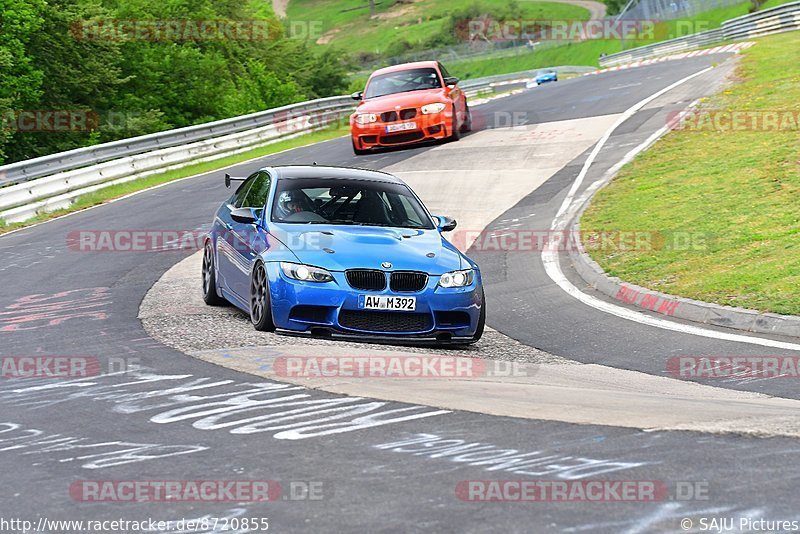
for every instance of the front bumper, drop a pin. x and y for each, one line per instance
(433, 127)
(331, 310)
(423, 340)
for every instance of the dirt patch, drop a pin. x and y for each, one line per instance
(328, 37)
(394, 13)
(279, 7)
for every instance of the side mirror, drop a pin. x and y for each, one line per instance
(450, 81)
(244, 216)
(358, 95)
(446, 224)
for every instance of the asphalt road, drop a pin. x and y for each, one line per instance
(168, 422)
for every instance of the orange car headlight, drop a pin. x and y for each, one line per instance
(430, 109)
(366, 118)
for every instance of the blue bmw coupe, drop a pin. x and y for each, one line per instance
(341, 253)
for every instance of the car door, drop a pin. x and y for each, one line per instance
(248, 240)
(226, 270)
(235, 247)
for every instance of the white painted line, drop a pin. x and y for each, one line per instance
(603, 140)
(570, 207)
(554, 272)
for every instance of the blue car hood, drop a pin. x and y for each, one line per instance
(366, 247)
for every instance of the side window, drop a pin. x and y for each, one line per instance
(408, 212)
(256, 196)
(445, 74)
(241, 192)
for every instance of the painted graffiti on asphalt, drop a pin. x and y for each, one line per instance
(288, 412)
(231, 521)
(493, 458)
(90, 454)
(40, 310)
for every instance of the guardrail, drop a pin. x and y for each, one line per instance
(34, 168)
(54, 182)
(48, 183)
(774, 20)
(506, 82)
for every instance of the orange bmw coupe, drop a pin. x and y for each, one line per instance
(406, 104)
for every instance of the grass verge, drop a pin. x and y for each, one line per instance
(548, 54)
(588, 52)
(347, 24)
(734, 190)
(115, 191)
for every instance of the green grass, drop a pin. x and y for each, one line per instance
(588, 52)
(737, 189)
(775, 3)
(585, 53)
(348, 25)
(115, 191)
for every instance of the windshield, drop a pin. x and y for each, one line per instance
(402, 81)
(348, 202)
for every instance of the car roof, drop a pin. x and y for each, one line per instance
(407, 66)
(290, 172)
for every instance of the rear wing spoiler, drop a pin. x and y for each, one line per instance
(229, 179)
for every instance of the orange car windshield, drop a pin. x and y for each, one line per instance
(403, 81)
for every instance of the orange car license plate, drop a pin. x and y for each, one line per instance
(402, 127)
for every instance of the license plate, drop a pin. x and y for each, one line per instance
(402, 127)
(382, 302)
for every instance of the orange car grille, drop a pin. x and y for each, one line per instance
(403, 115)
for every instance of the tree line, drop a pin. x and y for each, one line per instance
(80, 72)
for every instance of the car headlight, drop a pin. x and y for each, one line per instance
(366, 118)
(457, 278)
(429, 109)
(305, 273)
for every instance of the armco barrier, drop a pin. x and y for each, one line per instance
(34, 168)
(52, 182)
(25, 200)
(774, 20)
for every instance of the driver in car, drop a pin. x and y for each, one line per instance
(290, 203)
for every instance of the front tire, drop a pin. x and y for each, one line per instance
(210, 296)
(456, 135)
(260, 305)
(467, 126)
